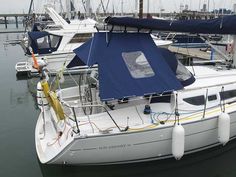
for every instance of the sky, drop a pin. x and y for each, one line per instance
(20, 6)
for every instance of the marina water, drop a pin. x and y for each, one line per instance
(18, 118)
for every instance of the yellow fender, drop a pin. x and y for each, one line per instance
(53, 100)
(57, 106)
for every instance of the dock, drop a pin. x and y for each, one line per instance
(12, 31)
(195, 53)
(16, 16)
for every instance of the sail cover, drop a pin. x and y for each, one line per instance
(221, 25)
(129, 64)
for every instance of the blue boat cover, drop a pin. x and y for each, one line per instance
(34, 35)
(81, 59)
(41, 42)
(129, 64)
(76, 61)
(221, 25)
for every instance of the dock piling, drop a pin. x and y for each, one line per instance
(16, 21)
(5, 21)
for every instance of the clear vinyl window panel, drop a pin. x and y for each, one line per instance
(43, 42)
(182, 73)
(55, 41)
(137, 64)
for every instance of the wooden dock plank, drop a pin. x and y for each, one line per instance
(194, 52)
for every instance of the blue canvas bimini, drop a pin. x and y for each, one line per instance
(129, 64)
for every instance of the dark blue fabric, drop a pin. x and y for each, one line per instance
(221, 25)
(82, 54)
(171, 60)
(35, 27)
(33, 36)
(115, 80)
(169, 57)
(76, 61)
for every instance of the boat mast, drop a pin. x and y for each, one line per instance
(31, 4)
(140, 8)
(122, 7)
(136, 8)
(160, 9)
(234, 51)
(88, 8)
(68, 8)
(199, 6)
(103, 7)
(61, 7)
(208, 5)
(148, 2)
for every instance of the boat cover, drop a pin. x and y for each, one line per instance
(43, 42)
(129, 64)
(76, 61)
(221, 25)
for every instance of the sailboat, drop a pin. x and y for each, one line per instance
(141, 104)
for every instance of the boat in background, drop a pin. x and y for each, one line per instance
(55, 45)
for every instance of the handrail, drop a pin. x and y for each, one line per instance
(98, 105)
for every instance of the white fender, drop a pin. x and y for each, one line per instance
(178, 134)
(223, 128)
(41, 99)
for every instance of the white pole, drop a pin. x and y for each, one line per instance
(122, 8)
(208, 6)
(136, 8)
(148, 2)
(68, 8)
(160, 8)
(88, 8)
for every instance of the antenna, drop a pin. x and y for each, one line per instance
(31, 3)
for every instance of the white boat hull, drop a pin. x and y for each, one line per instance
(137, 146)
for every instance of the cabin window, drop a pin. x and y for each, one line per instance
(212, 97)
(55, 40)
(43, 42)
(228, 94)
(81, 37)
(197, 100)
(137, 64)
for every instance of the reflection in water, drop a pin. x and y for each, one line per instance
(17, 98)
(216, 162)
